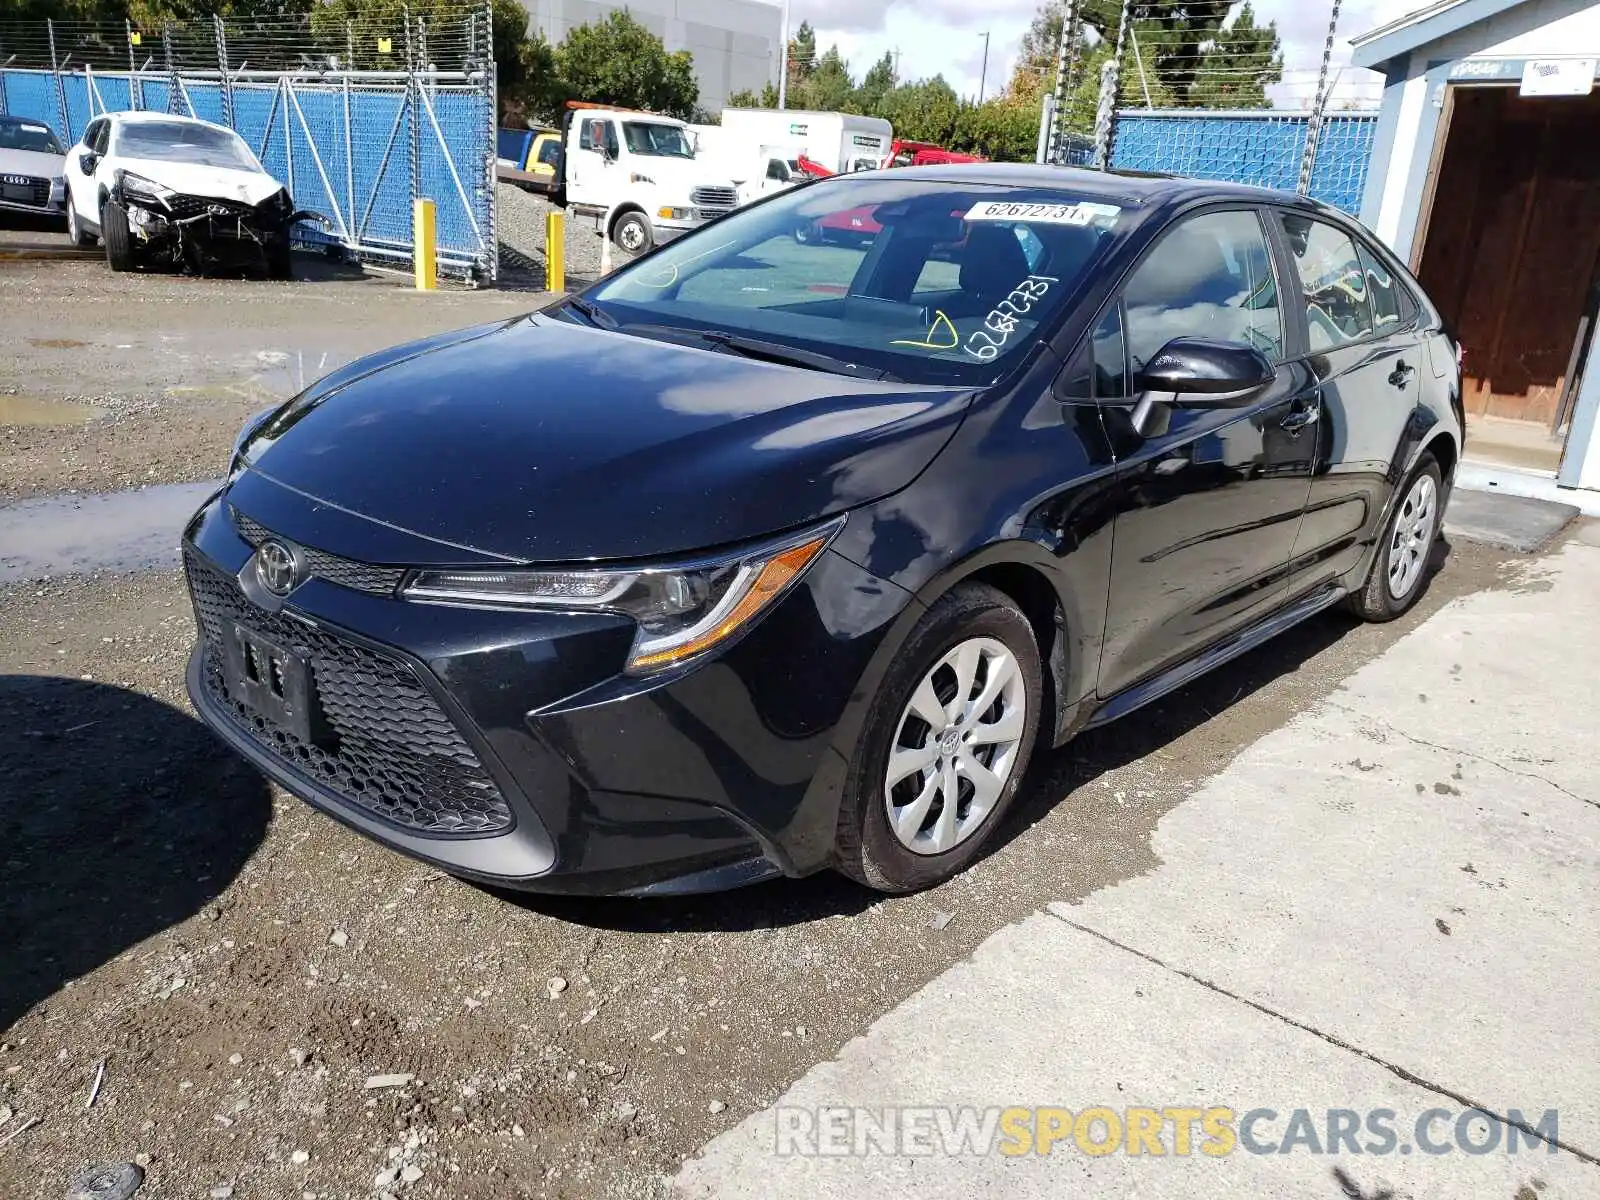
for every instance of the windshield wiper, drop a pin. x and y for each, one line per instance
(591, 310)
(778, 352)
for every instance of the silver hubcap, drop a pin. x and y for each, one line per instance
(1413, 536)
(632, 237)
(956, 746)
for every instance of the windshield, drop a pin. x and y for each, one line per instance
(924, 281)
(27, 135)
(181, 142)
(646, 137)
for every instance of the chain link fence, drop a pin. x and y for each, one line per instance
(1180, 94)
(358, 118)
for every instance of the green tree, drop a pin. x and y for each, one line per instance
(876, 84)
(802, 53)
(828, 88)
(618, 61)
(925, 111)
(998, 129)
(1178, 40)
(1035, 72)
(1242, 61)
(767, 98)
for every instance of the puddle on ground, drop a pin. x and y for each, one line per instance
(33, 410)
(114, 531)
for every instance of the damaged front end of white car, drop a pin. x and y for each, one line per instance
(209, 232)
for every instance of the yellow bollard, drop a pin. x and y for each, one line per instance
(555, 251)
(425, 244)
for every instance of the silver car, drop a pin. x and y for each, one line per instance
(32, 168)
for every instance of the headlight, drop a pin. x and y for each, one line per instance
(682, 611)
(137, 187)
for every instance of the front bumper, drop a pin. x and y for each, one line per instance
(722, 775)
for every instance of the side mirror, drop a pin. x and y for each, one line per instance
(1199, 373)
(88, 160)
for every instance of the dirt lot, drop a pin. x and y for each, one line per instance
(118, 380)
(242, 966)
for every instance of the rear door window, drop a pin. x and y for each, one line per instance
(1391, 304)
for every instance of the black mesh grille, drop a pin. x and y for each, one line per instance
(31, 190)
(391, 749)
(346, 572)
(183, 207)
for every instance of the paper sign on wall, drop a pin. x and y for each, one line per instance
(1558, 77)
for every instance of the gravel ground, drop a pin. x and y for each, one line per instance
(112, 381)
(521, 226)
(243, 966)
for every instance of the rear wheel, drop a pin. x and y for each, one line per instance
(947, 744)
(1400, 564)
(80, 236)
(117, 236)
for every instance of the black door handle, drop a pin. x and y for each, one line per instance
(1300, 418)
(1402, 375)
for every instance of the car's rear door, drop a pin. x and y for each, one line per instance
(1362, 345)
(1208, 507)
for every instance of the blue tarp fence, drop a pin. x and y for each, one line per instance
(1264, 148)
(357, 147)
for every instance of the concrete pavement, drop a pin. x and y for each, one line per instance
(1391, 903)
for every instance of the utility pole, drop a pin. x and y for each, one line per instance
(897, 64)
(783, 69)
(983, 74)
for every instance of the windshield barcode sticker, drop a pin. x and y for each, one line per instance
(1084, 213)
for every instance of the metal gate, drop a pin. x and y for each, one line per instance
(356, 145)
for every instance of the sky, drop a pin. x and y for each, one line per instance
(946, 37)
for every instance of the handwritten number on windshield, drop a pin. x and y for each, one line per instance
(986, 343)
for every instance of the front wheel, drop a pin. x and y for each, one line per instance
(280, 263)
(947, 744)
(117, 236)
(632, 233)
(1400, 563)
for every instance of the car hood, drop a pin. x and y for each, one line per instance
(216, 183)
(32, 162)
(539, 440)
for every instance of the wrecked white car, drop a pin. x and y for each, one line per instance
(160, 189)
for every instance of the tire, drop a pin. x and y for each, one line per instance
(805, 233)
(1399, 571)
(81, 237)
(632, 233)
(118, 238)
(280, 259)
(971, 618)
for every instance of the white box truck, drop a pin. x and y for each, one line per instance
(756, 171)
(636, 173)
(841, 142)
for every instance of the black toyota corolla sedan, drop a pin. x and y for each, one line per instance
(764, 556)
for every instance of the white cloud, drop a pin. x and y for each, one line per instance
(944, 37)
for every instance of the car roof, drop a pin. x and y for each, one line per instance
(133, 117)
(1128, 188)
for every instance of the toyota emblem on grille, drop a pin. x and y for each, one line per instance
(277, 567)
(217, 210)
